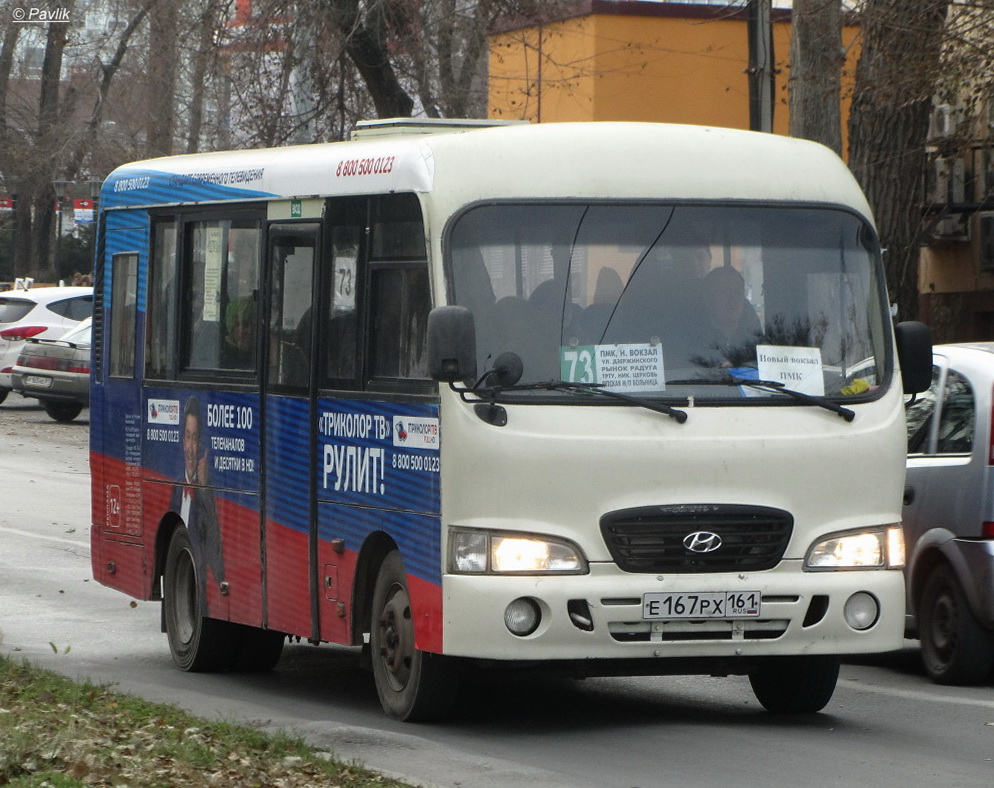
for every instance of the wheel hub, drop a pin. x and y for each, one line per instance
(397, 638)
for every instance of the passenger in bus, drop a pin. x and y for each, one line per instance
(662, 300)
(194, 501)
(731, 327)
(239, 341)
(594, 319)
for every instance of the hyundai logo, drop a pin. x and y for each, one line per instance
(702, 542)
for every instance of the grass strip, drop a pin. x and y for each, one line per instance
(56, 733)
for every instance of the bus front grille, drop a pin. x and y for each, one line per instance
(697, 538)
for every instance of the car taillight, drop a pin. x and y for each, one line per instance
(22, 332)
(987, 531)
(38, 362)
(82, 369)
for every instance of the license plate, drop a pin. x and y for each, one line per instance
(704, 604)
(37, 381)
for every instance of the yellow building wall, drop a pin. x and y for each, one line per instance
(639, 68)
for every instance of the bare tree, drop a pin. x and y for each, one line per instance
(816, 59)
(162, 73)
(888, 128)
(365, 41)
(50, 143)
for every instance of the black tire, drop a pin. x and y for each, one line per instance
(63, 411)
(795, 685)
(197, 643)
(413, 685)
(259, 650)
(955, 648)
(3, 394)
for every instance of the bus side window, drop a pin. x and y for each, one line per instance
(290, 321)
(161, 334)
(342, 321)
(400, 295)
(123, 314)
(222, 275)
(401, 302)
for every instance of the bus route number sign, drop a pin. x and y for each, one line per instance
(658, 605)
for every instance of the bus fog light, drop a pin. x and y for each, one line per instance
(861, 610)
(522, 617)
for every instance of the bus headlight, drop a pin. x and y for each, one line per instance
(492, 552)
(881, 548)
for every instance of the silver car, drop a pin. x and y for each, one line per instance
(56, 372)
(949, 516)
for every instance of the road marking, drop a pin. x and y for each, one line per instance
(916, 694)
(30, 535)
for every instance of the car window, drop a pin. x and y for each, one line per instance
(919, 416)
(14, 309)
(957, 420)
(77, 308)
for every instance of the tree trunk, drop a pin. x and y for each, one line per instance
(162, 57)
(888, 129)
(814, 87)
(365, 43)
(50, 141)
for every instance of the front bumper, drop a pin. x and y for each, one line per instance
(802, 613)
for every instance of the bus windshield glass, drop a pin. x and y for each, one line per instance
(662, 300)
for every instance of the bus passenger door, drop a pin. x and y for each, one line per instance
(290, 580)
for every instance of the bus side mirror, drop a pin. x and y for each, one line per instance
(914, 352)
(451, 344)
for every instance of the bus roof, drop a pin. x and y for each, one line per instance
(467, 164)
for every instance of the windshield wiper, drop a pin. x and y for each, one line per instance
(507, 370)
(598, 388)
(770, 385)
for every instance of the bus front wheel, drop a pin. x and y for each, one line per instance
(413, 685)
(795, 685)
(197, 643)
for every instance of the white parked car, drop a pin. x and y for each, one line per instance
(44, 312)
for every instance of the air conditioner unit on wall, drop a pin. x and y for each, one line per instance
(983, 168)
(951, 227)
(942, 122)
(947, 180)
(983, 240)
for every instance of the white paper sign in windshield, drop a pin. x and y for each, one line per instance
(626, 368)
(798, 368)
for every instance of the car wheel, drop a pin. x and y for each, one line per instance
(63, 411)
(3, 394)
(197, 643)
(412, 684)
(955, 648)
(795, 685)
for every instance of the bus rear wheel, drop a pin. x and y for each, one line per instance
(795, 685)
(413, 685)
(197, 643)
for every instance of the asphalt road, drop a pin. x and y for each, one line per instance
(887, 725)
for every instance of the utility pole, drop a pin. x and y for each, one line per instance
(762, 70)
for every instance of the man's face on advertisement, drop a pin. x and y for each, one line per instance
(191, 445)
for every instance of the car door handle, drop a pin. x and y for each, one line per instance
(909, 495)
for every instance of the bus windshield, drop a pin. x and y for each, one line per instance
(665, 300)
